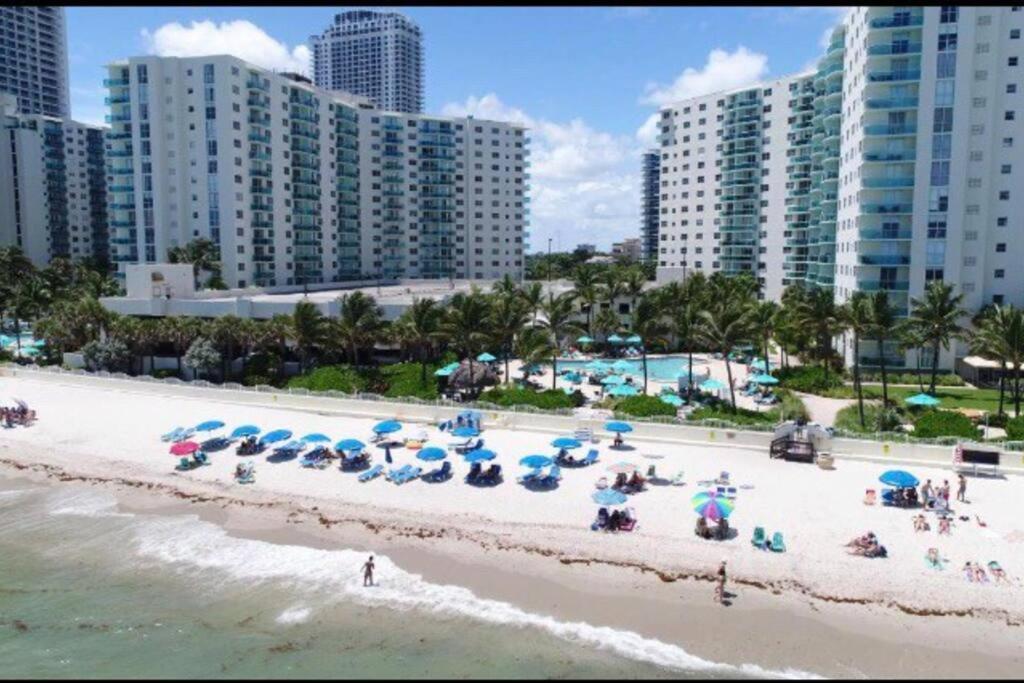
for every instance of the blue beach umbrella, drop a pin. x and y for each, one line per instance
(535, 462)
(479, 455)
(901, 479)
(349, 445)
(711, 385)
(618, 427)
(387, 427)
(566, 442)
(245, 430)
(209, 426)
(922, 400)
(275, 436)
(584, 340)
(634, 339)
(615, 339)
(486, 358)
(765, 379)
(316, 437)
(467, 432)
(671, 399)
(609, 497)
(431, 453)
(444, 372)
(623, 390)
(759, 364)
(613, 379)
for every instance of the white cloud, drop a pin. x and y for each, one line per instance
(647, 133)
(584, 184)
(239, 38)
(722, 71)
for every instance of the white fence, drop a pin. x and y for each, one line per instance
(526, 417)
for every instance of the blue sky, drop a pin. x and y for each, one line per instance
(585, 80)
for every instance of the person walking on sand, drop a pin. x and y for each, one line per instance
(720, 584)
(961, 489)
(368, 572)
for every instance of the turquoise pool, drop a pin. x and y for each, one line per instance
(661, 368)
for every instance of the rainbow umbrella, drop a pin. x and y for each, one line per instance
(710, 505)
(184, 448)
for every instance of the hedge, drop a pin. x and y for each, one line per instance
(1015, 428)
(644, 406)
(550, 399)
(809, 379)
(935, 423)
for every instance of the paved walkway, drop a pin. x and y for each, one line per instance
(823, 410)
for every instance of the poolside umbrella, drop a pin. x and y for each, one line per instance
(618, 427)
(615, 339)
(621, 366)
(922, 400)
(900, 479)
(467, 432)
(184, 448)
(765, 379)
(245, 430)
(276, 435)
(535, 462)
(316, 437)
(387, 427)
(622, 467)
(710, 505)
(624, 390)
(609, 497)
(566, 442)
(446, 370)
(432, 453)
(711, 385)
(486, 358)
(349, 445)
(479, 455)
(613, 379)
(759, 364)
(584, 340)
(574, 378)
(634, 339)
(209, 426)
(671, 399)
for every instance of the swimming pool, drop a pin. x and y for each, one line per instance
(661, 368)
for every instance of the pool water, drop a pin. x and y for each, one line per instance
(660, 368)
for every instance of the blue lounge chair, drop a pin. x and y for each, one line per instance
(553, 476)
(474, 472)
(492, 476)
(396, 473)
(591, 457)
(440, 474)
(201, 458)
(759, 537)
(777, 543)
(410, 474)
(371, 473)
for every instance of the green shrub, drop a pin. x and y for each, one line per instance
(935, 423)
(790, 406)
(643, 406)
(742, 416)
(403, 379)
(876, 419)
(809, 379)
(1014, 428)
(551, 399)
(262, 368)
(946, 379)
(330, 378)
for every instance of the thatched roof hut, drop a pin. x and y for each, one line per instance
(483, 374)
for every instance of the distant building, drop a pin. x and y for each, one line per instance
(378, 55)
(52, 186)
(34, 59)
(630, 249)
(650, 191)
(586, 248)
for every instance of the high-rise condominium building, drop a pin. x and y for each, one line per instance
(649, 215)
(298, 185)
(901, 153)
(34, 59)
(378, 55)
(52, 187)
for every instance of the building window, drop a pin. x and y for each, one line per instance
(1001, 248)
(999, 274)
(948, 14)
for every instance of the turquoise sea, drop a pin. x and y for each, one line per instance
(89, 591)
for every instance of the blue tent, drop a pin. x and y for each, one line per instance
(480, 454)
(922, 400)
(245, 430)
(387, 427)
(609, 497)
(276, 435)
(566, 442)
(535, 462)
(349, 445)
(432, 453)
(209, 425)
(316, 437)
(618, 427)
(901, 479)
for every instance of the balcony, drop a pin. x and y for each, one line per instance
(891, 76)
(255, 83)
(115, 82)
(885, 235)
(897, 21)
(877, 183)
(117, 118)
(260, 137)
(118, 99)
(883, 285)
(891, 156)
(895, 49)
(891, 129)
(884, 260)
(891, 102)
(889, 209)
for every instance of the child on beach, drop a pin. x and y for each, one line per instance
(368, 572)
(933, 559)
(968, 571)
(944, 525)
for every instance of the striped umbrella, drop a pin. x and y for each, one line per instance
(710, 505)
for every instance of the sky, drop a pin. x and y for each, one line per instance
(587, 81)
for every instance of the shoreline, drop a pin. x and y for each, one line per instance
(823, 636)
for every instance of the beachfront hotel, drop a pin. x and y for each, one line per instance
(52, 186)
(300, 186)
(375, 54)
(890, 165)
(34, 59)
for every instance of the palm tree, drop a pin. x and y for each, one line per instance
(181, 332)
(247, 333)
(464, 324)
(612, 285)
(883, 320)
(225, 333)
(201, 253)
(585, 284)
(1001, 336)
(149, 337)
(633, 282)
(275, 334)
(359, 321)
(724, 325)
(418, 327)
(855, 316)
(15, 267)
(558, 313)
(607, 323)
(649, 323)
(816, 312)
(508, 318)
(533, 296)
(763, 317)
(128, 330)
(686, 327)
(309, 330)
(936, 318)
(506, 286)
(31, 299)
(533, 347)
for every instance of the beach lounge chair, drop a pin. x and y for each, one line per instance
(602, 520)
(778, 545)
(396, 473)
(201, 458)
(758, 538)
(679, 479)
(371, 473)
(171, 435)
(491, 476)
(531, 476)
(409, 475)
(474, 472)
(553, 476)
(591, 457)
(869, 497)
(584, 434)
(184, 465)
(440, 474)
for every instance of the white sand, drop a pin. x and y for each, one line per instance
(89, 430)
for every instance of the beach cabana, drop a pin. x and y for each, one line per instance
(535, 462)
(275, 436)
(922, 401)
(623, 390)
(244, 431)
(710, 505)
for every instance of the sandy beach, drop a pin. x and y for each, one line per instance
(814, 608)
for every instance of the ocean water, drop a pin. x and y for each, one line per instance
(88, 591)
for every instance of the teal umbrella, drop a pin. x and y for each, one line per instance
(613, 379)
(623, 390)
(671, 399)
(711, 385)
(486, 358)
(584, 340)
(615, 339)
(634, 339)
(765, 379)
(922, 400)
(622, 366)
(597, 366)
(759, 364)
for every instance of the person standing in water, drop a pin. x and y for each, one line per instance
(368, 572)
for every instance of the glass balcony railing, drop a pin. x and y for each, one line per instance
(890, 76)
(870, 234)
(884, 260)
(890, 156)
(897, 21)
(891, 129)
(895, 49)
(891, 102)
(886, 208)
(115, 82)
(874, 183)
(883, 285)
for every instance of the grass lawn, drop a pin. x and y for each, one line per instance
(951, 397)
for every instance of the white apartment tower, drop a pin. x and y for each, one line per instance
(34, 59)
(378, 55)
(298, 185)
(52, 187)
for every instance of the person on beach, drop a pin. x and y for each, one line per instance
(944, 525)
(368, 572)
(968, 571)
(961, 488)
(944, 492)
(720, 584)
(997, 572)
(927, 493)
